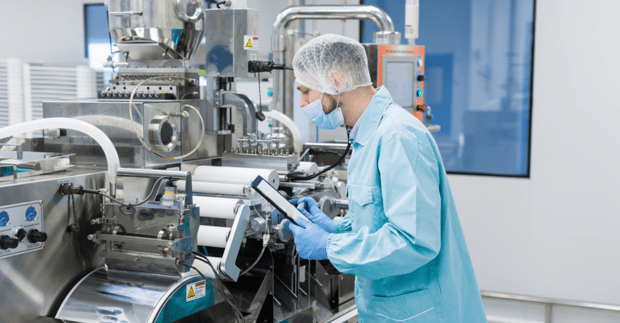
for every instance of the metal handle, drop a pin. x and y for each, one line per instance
(126, 13)
(153, 173)
(180, 5)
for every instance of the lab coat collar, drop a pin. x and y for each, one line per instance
(372, 115)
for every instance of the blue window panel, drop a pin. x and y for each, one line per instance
(95, 25)
(478, 79)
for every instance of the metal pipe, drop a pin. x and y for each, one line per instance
(325, 145)
(152, 173)
(278, 42)
(341, 204)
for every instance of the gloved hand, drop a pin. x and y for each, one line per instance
(316, 215)
(310, 239)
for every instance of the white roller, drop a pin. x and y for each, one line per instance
(217, 207)
(206, 269)
(214, 188)
(309, 168)
(235, 175)
(211, 236)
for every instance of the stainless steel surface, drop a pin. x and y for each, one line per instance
(212, 145)
(26, 144)
(36, 163)
(112, 117)
(18, 149)
(163, 134)
(157, 236)
(283, 164)
(341, 203)
(248, 110)
(120, 296)
(26, 216)
(386, 38)
(182, 7)
(225, 41)
(173, 24)
(153, 173)
(34, 283)
(279, 45)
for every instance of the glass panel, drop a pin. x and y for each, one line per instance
(98, 43)
(478, 77)
(400, 84)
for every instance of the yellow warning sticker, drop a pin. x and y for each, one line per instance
(250, 42)
(195, 290)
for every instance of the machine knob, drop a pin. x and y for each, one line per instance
(35, 236)
(20, 234)
(283, 232)
(421, 78)
(7, 242)
(257, 224)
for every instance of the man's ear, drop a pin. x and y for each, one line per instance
(338, 79)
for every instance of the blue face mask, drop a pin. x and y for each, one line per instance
(315, 113)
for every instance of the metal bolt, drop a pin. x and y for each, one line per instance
(136, 259)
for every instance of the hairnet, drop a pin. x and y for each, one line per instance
(315, 63)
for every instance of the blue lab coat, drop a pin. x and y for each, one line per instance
(402, 238)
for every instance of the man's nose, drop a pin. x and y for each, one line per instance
(303, 103)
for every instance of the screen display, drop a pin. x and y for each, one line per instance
(268, 192)
(400, 82)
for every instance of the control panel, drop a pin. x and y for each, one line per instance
(150, 92)
(21, 228)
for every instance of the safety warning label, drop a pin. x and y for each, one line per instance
(250, 42)
(195, 290)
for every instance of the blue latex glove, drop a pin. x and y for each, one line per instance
(310, 239)
(316, 215)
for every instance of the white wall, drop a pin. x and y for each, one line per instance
(556, 233)
(43, 30)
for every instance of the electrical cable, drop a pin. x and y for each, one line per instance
(219, 3)
(132, 107)
(260, 115)
(266, 237)
(186, 94)
(236, 310)
(130, 207)
(206, 260)
(340, 160)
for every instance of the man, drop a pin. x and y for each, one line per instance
(402, 238)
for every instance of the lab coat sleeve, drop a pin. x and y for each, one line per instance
(343, 225)
(412, 204)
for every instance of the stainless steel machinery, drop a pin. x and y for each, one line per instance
(171, 231)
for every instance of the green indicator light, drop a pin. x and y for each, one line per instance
(202, 72)
(269, 94)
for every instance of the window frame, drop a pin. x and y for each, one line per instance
(527, 173)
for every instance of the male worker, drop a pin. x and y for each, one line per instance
(402, 238)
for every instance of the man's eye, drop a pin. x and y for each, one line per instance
(305, 92)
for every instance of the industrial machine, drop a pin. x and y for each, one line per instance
(137, 206)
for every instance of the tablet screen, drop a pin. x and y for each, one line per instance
(268, 192)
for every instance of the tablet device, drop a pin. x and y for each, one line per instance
(283, 205)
